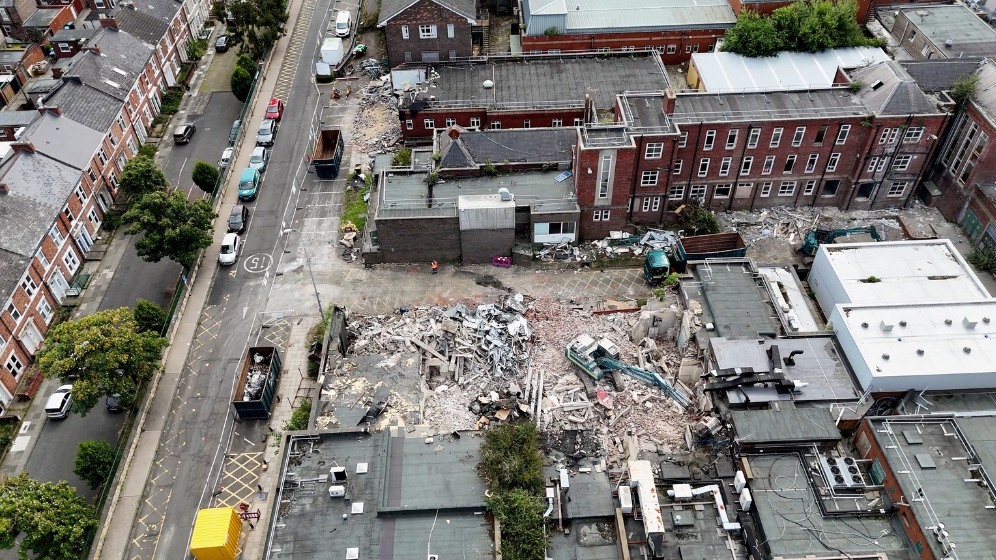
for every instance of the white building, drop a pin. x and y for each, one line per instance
(936, 346)
(897, 272)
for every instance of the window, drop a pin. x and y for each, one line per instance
(695, 47)
(766, 189)
(882, 161)
(811, 162)
(429, 123)
(72, 261)
(604, 174)
(450, 121)
(912, 35)
(746, 164)
(558, 123)
(56, 236)
(80, 194)
(654, 150)
(29, 286)
(427, 31)
(604, 49)
(452, 54)
(872, 163)
(578, 121)
(132, 148)
(787, 188)
(12, 309)
(646, 204)
(92, 217)
(601, 216)
(45, 310)
(671, 49)
(121, 161)
(651, 204)
(832, 163)
(476, 121)
(973, 158)
(91, 175)
(845, 129)
(525, 123)
(776, 137)
(830, 187)
(553, 51)
(688, 49)
(649, 178)
(683, 141)
(703, 167)
(102, 156)
(724, 166)
(710, 139)
(731, 139)
(810, 188)
(408, 56)
(789, 163)
(449, 30)
(755, 136)
(555, 228)
(14, 365)
(901, 163)
(926, 47)
(697, 191)
(677, 193)
(68, 213)
(800, 133)
(913, 134)
(893, 134)
(769, 163)
(112, 139)
(722, 191)
(495, 125)
(712, 47)
(676, 170)
(897, 188)
(969, 138)
(409, 125)
(885, 136)
(40, 255)
(64, 47)
(821, 133)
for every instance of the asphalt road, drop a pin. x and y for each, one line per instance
(136, 279)
(213, 120)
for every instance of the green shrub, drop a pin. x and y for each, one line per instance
(241, 82)
(148, 150)
(510, 458)
(984, 259)
(149, 316)
(403, 158)
(300, 417)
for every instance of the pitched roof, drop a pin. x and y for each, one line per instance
(146, 27)
(63, 140)
(391, 8)
(18, 118)
(113, 70)
(889, 90)
(85, 104)
(940, 73)
(535, 145)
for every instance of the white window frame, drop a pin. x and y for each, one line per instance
(404, 32)
(885, 135)
(601, 216)
(578, 121)
(450, 121)
(427, 31)
(913, 134)
(677, 192)
(811, 163)
(832, 162)
(776, 137)
(409, 124)
(731, 139)
(71, 261)
(753, 138)
(29, 286)
(698, 191)
(526, 123)
(703, 167)
(799, 136)
(790, 164)
(746, 165)
(710, 140)
(872, 163)
(557, 123)
(724, 166)
(902, 163)
(676, 170)
(786, 188)
(845, 129)
(429, 124)
(14, 365)
(604, 175)
(810, 188)
(450, 31)
(15, 313)
(475, 122)
(649, 178)
(56, 234)
(655, 150)
(766, 189)
(495, 125)
(45, 310)
(893, 192)
(717, 190)
(683, 140)
(40, 255)
(671, 49)
(769, 165)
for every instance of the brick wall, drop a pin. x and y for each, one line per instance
(422, 13)
(984, 210)
(463, 117)
(419, 239)
(673, 46)
(479, 245)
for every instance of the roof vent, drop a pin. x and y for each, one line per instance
(864, 325)
(876, 84)
(969, 323)
(902, 323)
(887, 327)
(488, 84)
(919, 351)
(985, 320)
(948, 44)
(966, 350)
(505, 195)
(885, 356)
(948, 321)
(577, 8)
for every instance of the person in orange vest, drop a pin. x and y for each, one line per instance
(435, 267)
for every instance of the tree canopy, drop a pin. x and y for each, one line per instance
(799, 27)
(257, 25)
(172, 227)
(204, 175)
(94, 459)
(141, 176)
(241, 82)
(149, 316)
(101, 354)
(55, 520)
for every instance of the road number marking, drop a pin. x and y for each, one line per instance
(258, 263)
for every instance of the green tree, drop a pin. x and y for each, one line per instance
(93, 463)
(241, 83)
(257, 25)
(754, 35)
(247, 62)
(54, 519)
(101, 354)
(964, 90)
(141, 176)
(149, 316)
(510, 458)
(171, 226)
(204, 175)
(196, 49)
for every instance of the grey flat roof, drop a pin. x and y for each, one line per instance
(737, 306)
(428, 476)
(546, 82)
(18, 118)
(735, 107)
(646, 111)
(41, 18)
(940, 73)
(729, 72)
(600, 16)
(73, 34)
(524, 145)
(64, 140)
(785, 424)
(971, 36)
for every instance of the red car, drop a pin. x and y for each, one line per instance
(275, 109)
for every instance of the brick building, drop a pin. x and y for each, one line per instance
(527, 92)
(673, 28)
(428, 30)
(768, 6)
(940, 31)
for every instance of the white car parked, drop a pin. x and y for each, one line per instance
(230, 247)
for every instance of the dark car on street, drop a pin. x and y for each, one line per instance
(238, 219)
(183, 132)
(221, 45)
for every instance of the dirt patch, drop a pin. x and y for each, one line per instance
(219, 74)
(376, 126)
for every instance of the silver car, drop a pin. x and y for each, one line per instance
(260, 157)
(267, 132)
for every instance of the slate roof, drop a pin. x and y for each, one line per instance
(391, 8)
(144, 26)
(163, 10)
(985, 97)
(114, 71)
(78, 34)
(898, 93)
(63, 140)
(538, 145)
(18, 118)
(84, 104)
(940, 73)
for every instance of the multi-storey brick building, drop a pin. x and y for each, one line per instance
(428, 30)
(942, 31)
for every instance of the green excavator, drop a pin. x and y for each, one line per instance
(819, 236)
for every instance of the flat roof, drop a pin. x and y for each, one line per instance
(729, 72)
(920, 345)
(599, 16)
(736, 305)
(541, 83)
(907, 271)
(784, 424)
(929, 458)
(970, 35)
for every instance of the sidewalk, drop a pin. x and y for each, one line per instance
(114, 537)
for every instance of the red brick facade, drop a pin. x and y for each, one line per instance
(421, 126)
(427, 32)
(967, 159)
(674, 46)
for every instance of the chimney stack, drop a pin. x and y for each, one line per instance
(453, 132)
(669, 98)
(22, 146)
(4, 189)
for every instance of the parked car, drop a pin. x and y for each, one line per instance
(113, 403)
(183, 132)
(234, 134)
(275, 110)
(248, 184)
(205, 34)
(57, 406)
(221, 45)
(230, 246)
(238, 219)
(267, 133)
(226, 157)
(260, 157)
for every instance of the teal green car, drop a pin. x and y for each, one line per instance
(248, 184)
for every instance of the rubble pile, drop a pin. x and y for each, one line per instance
(618, 244)
(376, 126)
(256, 378)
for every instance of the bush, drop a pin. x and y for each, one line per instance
(510, 458)
(800, 27)
(112, 221)
(93, 463)
(196, 49)
(149, 316)
(171, 101)
(241, 83)
(246, 62)
(368, 22)
(403, 158)
(300, 417)
(147, 150)
(205, 176)
(984, 259)
(551, 32)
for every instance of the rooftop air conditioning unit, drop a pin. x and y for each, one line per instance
(842, 473)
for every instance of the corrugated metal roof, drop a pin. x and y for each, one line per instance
(729, 72)
(600, 16)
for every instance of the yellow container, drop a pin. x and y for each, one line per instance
(216, 534)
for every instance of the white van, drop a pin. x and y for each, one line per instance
(342, 24)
